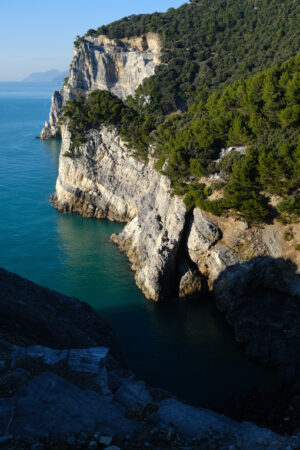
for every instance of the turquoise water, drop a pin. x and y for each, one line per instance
(185, 347)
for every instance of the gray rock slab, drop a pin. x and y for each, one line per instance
(133, 393)
(200, 423)
(203, 234)
(49, 405)
(89, 360)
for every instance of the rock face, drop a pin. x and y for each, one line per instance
(105, 182)
(77, 397)
(166, 246)
(116, 65)
(260, 298)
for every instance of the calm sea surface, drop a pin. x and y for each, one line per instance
(184, 347)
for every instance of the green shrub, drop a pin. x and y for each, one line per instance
(102, 107)
(207, 191)
(194, 194)
(288, 234)
(290, 205)
(227, 162)
(217, 185)
(216, 207)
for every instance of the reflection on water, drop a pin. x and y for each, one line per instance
(186, 348)
(95, 270)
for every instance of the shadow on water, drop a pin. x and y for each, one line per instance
(261, 298)
(184, 347)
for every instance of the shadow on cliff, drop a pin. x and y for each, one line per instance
(261, 300)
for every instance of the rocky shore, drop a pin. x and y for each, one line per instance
(63, 384)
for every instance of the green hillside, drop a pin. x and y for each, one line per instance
(212, 43)
(262, 114)
(222, 67)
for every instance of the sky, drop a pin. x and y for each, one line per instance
(38, 35)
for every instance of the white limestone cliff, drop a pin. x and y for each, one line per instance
(115, 65)
(106, 182)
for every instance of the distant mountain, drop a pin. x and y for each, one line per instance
(56, 76)
(60, 78)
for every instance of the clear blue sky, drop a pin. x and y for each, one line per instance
(38, 35)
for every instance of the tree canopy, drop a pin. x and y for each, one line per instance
(230, 77)
(211, 43)
(261, 113)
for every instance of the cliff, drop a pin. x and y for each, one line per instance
(176, 253)
(116, 65)
(106, 182)
(63, 385)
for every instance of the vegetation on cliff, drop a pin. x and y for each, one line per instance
(261, 113)
(210, 43)
(102, 107)
(232, 66)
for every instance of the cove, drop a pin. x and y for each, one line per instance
(184, 347)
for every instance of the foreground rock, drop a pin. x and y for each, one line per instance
(31, 314)
(78, 397)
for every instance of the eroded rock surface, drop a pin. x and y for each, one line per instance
(106, 182)
(115, 65)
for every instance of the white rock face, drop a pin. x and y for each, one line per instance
(115, 65)
(106, 182)
(203, 235)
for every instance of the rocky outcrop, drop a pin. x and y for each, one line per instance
(31, 314)
(51, 130)
(175, 253)
(116, 65)
(260, 298)
(78, 397)
(106, 182)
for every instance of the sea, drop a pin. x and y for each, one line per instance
(185, 347)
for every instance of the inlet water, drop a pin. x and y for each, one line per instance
(185, 347)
